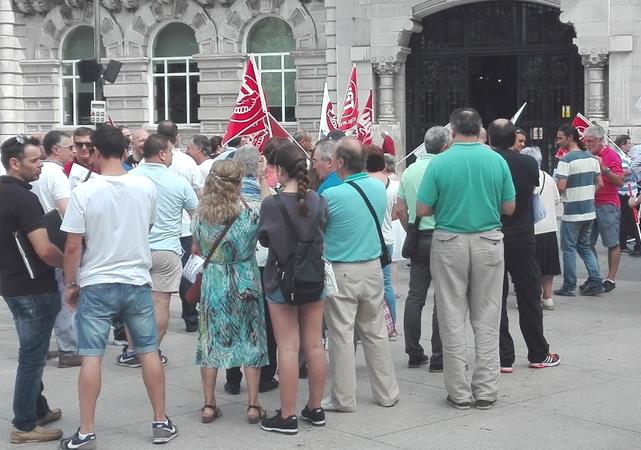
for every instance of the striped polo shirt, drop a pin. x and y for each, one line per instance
(581, 171)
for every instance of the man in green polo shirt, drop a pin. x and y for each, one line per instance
(353, 246)
(467, 189)
(437, 139)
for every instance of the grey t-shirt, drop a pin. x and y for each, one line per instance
(273, 231)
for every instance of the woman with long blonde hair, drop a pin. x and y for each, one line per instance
(232, 317)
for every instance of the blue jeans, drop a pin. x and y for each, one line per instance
(575, 238)
(34, 316)
(100, 303)
(390, 295)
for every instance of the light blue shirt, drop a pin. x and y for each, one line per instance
(174, 194)
(330, 181)
(350, 234)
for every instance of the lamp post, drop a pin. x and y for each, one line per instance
(96, 45)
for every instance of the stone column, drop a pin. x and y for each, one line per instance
(595, 64)
(386, 71)
(41, 94)
(330, 53)
(128, 100)
(220, 77)
(311, 73)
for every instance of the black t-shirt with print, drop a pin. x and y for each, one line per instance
(20, 211)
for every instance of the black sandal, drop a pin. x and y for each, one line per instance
(261, 414)
(210, 419)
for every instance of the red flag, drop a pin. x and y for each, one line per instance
(561, 153)
(364, 126)
(277, 129)
(249, 117)
(349, 116)
(580, 122)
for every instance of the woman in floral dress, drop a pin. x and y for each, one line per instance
(232, 316)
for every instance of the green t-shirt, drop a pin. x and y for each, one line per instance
(466, 186)
(410, 182)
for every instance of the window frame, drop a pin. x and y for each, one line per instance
(282, 71)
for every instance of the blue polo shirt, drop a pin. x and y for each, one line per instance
(174, 194)
(330, 180)
(350, 234)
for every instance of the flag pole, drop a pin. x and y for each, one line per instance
(516, 115)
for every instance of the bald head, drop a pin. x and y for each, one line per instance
(501, 134)
(138, 139)
(350, 157)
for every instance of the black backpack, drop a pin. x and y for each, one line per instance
(302, 273)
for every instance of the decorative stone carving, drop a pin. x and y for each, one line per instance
(206, 3)
(76, 3)
(386, 69)
(24, 6)
(111, 5)
(130, 5)
(595, 65)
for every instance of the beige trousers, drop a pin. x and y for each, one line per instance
(358, 306)
(467, 270)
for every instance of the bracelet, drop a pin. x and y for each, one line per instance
(71, 285)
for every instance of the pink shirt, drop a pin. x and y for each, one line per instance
(609, 193)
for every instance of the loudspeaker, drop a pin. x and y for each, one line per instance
(89, 70)
(111, 72)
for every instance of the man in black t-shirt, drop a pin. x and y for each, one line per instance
(28, 286)
(520, 256)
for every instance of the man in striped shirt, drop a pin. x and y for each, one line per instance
(578, 179)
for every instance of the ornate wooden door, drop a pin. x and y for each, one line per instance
(549, 74)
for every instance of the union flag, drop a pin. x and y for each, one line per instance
(349, 116)
(364, 125)
(249, 117)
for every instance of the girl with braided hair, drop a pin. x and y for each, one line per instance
(294, 325)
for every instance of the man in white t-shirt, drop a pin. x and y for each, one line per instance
(112, 214)
(199, 148)
(52, 188)
(53, 191)
(187, 168)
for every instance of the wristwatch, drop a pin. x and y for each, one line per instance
(606, 171)
(71, 285)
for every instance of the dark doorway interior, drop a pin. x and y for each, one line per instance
(492, 86)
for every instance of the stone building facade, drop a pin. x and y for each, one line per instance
(184, 58)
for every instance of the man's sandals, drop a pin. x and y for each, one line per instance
(260, 416)
(206, 418)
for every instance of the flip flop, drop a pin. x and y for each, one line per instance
(210, 419)
(261, 414)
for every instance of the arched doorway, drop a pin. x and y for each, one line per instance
(494, 56)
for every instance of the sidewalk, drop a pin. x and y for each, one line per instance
(589, 401)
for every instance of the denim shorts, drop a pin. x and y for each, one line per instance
(607, 225)
(278, 297)
(100, 303)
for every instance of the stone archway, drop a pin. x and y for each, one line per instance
(152, 15)
(243, 15)
(62, 19)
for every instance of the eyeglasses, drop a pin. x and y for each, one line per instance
(68, 147)
(21, 139)
(79, 145)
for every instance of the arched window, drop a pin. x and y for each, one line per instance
(75, 96)
(175, 75)
(272, 40)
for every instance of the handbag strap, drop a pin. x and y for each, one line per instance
(371, 210)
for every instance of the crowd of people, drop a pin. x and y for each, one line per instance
(297, 245)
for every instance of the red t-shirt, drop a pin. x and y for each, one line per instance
(609, 193)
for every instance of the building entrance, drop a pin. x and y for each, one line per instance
(494, 56)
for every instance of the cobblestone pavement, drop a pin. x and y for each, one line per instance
(589, 401)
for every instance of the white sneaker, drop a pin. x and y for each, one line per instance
(547, 303)
(328, 405)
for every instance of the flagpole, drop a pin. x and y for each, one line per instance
(516, 115)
